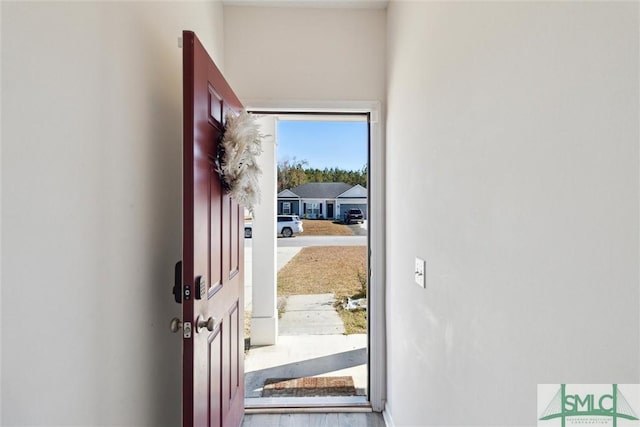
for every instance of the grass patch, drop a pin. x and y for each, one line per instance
(323, 269)
(329, 269)
(355, 322)
(323, 227)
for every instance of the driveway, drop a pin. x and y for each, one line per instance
(359, 229)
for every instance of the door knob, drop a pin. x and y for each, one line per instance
(208, 324)
(176, 324)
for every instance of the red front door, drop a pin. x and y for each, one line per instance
(213, 253)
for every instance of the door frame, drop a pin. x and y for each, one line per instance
(376, 224)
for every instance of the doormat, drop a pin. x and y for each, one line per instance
(308, 387)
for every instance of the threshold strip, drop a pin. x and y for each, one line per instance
(306, 404)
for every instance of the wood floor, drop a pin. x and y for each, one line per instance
(358, 419)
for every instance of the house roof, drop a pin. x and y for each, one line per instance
(287, 194)
(355, 192)
(317, 190)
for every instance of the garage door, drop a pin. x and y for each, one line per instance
(344, 208)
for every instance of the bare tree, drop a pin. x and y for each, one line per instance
(291, 173)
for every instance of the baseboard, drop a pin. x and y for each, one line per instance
(388, 421)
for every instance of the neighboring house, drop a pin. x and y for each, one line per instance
(329, 200)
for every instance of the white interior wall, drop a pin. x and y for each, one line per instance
(305, 54)
(513, 128)
(1, 259)
(91, 208)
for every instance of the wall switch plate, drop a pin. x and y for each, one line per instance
(419, 271)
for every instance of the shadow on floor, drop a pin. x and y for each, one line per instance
(305, 368)
(316, 366)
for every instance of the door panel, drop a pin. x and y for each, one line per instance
(213, 253)
(216, 235)
(215, 379)
(234, 324)
(234, 242)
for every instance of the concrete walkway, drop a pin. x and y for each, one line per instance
(311, 340)
(298, 356)
(310, 315)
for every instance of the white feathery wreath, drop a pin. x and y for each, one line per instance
(237, 164)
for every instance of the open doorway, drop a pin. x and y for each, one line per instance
(323, 348)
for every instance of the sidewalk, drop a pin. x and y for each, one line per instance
(310, 315)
